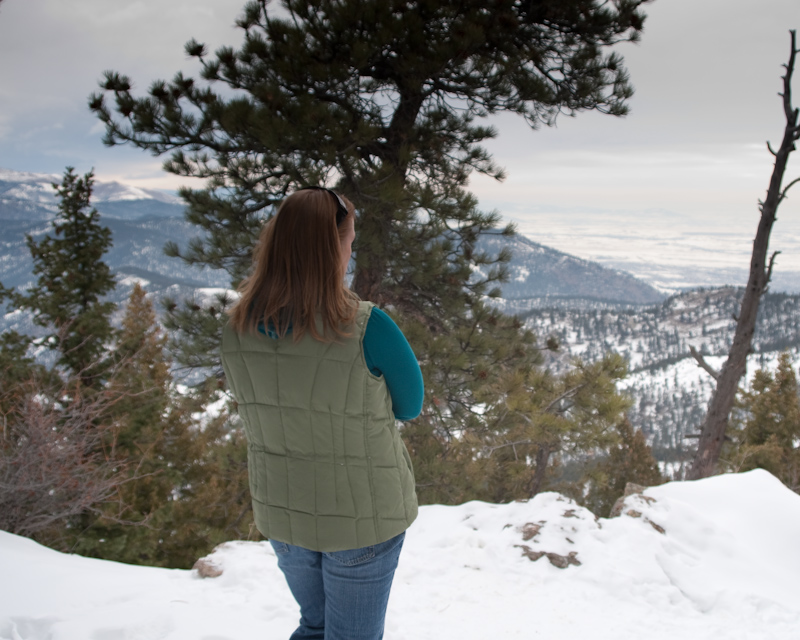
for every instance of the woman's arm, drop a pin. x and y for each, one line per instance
(388, 353)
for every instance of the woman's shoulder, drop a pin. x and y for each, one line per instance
(364, 310)
(381, 326)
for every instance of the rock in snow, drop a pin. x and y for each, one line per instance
(716, 558)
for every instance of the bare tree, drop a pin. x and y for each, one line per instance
(712, 434)
(56, 459)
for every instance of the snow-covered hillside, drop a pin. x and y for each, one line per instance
(657, 335)
(669, 390)
(714, 559)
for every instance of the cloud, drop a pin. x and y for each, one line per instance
(690, 179)
(98, 128)
(706, 77)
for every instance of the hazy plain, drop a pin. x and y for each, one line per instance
(667, 250)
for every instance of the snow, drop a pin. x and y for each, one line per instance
(116, 191)
(715, 558)
(130, 281)
(522, 274)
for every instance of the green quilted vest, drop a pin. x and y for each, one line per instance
(328, 470)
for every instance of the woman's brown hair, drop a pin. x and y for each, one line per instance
(297, 277)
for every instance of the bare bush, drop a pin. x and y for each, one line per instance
(56, 459)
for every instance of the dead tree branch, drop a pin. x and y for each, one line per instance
(701, 361)
(774, 255)
(787, 187)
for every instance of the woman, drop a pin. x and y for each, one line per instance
(320, 378)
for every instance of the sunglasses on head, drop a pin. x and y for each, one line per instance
(341, 208)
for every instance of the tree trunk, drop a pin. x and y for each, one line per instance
(542, 458)
(371, 251)
(713, 430)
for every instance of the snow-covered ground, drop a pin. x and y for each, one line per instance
(717, 558)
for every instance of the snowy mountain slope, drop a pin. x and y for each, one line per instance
(669, 391)
(713, 559)
(37, 187)
(656, 335)
(142, 221)
(136, 243)
(541, 276)
(30, 197)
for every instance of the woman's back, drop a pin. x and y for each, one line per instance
(328, 469)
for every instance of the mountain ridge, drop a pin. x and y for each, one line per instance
(142, 220)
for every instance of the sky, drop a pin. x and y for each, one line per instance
(690, 158)
(715, 559)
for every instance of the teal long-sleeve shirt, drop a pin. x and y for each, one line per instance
(388, 354)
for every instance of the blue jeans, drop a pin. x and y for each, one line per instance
(342, 594)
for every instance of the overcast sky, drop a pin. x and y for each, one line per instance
(706, 73)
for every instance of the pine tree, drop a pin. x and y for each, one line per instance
(631, 460)
(464, 371)
(55, 466)
(138, 377)
(770, 438)
(381, 99)
(186, 481)
(504, 434)
(543, 420)
(68, 297)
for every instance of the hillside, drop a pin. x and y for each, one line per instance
(540, 276)
(669, 390)
(654, 336)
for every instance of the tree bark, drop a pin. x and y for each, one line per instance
(713, 430)
(542, 458)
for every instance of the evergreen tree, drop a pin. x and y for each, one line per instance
(504, 434)
(770, 438)
(463, 369)
(382, 99)
(68, 297)
(139, 379)
(631, 460)
(542, 419)
(184, 489)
